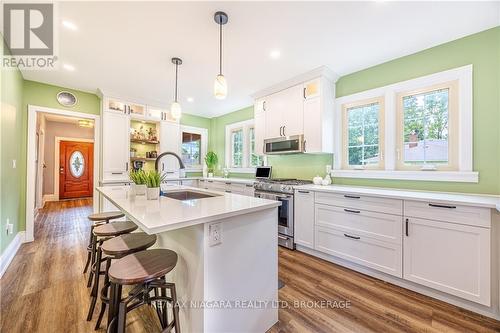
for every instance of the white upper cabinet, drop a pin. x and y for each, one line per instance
(301, 106)
(115, 145)
(118, 106)
(170, 134)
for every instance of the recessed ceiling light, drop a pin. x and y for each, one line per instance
(70, 25)
(190, 99)
(275, 54)
(68, 67)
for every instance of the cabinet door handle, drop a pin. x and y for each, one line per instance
(304, 93)
(126, 166)
(353, 237)
(442, 206)
(227, 191)
(264, 106)
(281, 128)
(117, 173)
(351, 211)
(228, 183)
(406, 228)
(284, 131)
(302, 191)
(351, 196)
(248, 185)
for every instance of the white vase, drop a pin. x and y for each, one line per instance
(152, 193)
(205, 171)
(140, 189)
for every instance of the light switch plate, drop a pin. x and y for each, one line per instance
(13, 164)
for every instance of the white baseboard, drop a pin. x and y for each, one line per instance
(49, 197)
(10, 252)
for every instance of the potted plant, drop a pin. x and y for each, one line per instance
(211, 161)
(153, 181)
(139, 182)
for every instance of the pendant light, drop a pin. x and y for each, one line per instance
(175, 108)
(220, 84)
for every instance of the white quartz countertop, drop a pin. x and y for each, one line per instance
(165, 214)
(248, 181)
(476, 200)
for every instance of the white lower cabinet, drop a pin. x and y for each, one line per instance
(449, 257)
(304, 218)
(441, 246)
(227, 186)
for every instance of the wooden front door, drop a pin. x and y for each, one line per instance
(76, 169)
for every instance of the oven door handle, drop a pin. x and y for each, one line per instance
(282, 237)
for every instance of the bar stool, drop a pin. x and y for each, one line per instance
(101, 234)
(146, 270)
(116, 248)
(98, 219)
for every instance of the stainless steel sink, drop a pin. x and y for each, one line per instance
(187, 195)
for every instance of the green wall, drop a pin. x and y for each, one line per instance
(482, 50)
(11, 116)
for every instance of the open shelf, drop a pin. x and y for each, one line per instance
(144, 141)
(142, 159)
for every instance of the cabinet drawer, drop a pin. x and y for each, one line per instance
(383, 256)
(356, 201)
(115, 176)
(384, 227)
(475, 216)
(213, 185)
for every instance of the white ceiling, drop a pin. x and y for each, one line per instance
(125, 47)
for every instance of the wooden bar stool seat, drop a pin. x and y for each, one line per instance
(146, 270)
(98, 219)
(116, 248)
(101, 234)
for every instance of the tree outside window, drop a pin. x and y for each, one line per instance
(191, 149)
(237, 148)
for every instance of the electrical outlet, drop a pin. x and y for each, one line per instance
(215, 234)
(9, 227)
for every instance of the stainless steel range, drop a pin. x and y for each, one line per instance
(281, 190)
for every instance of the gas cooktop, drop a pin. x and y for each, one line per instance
(279, 185)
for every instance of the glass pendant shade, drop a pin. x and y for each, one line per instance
(220, 87)
(175, 110)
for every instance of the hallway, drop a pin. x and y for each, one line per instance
(44, 289)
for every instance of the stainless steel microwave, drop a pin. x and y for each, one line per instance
(284, 145)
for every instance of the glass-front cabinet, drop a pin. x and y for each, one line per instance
(132, 109)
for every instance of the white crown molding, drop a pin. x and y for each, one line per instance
(322, 71)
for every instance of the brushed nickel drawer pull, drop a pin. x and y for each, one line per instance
(302, 191)
(352, 211)
(353, 237)
(442, 206)
(351, 197)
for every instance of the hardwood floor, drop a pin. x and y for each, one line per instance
(44, 290)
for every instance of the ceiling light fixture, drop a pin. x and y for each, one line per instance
(275, 54)
(69, 25)
(220, 84)
(68, 67)
(190, 99)
(175, 108)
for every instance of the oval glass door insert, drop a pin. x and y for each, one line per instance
(76, 164)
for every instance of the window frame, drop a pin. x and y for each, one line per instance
(203, 132)
(381, 134)
(464, 157)
(231, 151)
(230, 128)
(453, 140)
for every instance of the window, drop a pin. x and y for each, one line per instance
(419, 129)
(237, 148)
(255, 160)
(363, 134)
(426, 128)
(240, 147)
(193, 147)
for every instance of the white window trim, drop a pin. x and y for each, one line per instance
(204, 145)
(465, 172)
(245, 125)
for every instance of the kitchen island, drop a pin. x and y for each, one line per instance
(227, 272)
